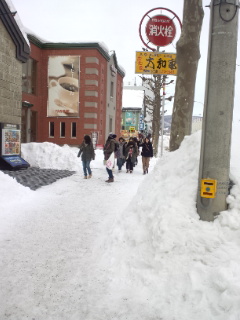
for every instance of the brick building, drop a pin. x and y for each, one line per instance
(14, 51)
(69, 90)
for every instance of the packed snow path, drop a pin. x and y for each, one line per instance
(50, 268)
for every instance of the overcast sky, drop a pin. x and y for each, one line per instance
(116, 23)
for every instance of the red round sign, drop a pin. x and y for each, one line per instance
(160, 30)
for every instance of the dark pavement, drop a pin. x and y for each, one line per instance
(35, 178)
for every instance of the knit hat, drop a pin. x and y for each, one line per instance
(112, 136)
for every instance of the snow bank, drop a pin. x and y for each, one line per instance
(48, 155)
(161, 251)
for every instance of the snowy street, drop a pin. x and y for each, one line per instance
(133, 249)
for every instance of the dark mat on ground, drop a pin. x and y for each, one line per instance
(35, 178)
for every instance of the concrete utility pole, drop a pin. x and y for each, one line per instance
(218, 107)
(163, 111)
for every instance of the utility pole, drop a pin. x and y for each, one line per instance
(218, 109)
(163, 111)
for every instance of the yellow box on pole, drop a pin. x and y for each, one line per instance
(208, 188)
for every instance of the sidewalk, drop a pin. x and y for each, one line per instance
(35, 178)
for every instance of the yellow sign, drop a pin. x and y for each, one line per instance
(132, 128)
(156, 63)
(208, 188)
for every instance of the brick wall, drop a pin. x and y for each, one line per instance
(10, 80)
(92, 96)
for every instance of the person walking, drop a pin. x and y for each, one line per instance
(120, 153)
(108, 149)
(137, 142)
(147, 153)
(131, 153)
(87, 154)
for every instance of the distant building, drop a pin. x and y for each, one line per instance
(132, 109)
(196, 123)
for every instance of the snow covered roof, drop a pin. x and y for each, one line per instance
(132, 99)
(100, 46)
(17, 19)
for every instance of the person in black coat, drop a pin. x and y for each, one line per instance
(131, 152)
(147, 153)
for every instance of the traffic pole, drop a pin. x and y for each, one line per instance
(214, 165)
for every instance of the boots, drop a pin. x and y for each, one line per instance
(145, 171)
(90, 176)
(85, 177)
(110, 180)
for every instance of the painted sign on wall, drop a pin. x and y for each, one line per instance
(130, 118)
(63, 86)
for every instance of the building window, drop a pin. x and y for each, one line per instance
(51, 129)
(111, 89)
(110, 124)
(92, 60)
(62, 130)
(29, 76)
(74, 130)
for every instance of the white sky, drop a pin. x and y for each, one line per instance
(135, 249)
(115, 23)
(132, 98)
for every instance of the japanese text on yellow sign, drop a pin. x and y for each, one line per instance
(156, 63)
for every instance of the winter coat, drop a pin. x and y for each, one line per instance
(131, 151)
(147, 150)
(109, 147)
(120, 153)
(86, 152)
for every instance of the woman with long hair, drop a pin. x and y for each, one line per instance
(108, 149)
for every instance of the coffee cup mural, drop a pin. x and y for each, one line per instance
(67, 93)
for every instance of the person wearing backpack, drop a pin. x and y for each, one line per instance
(109, 148)
(147, 153)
